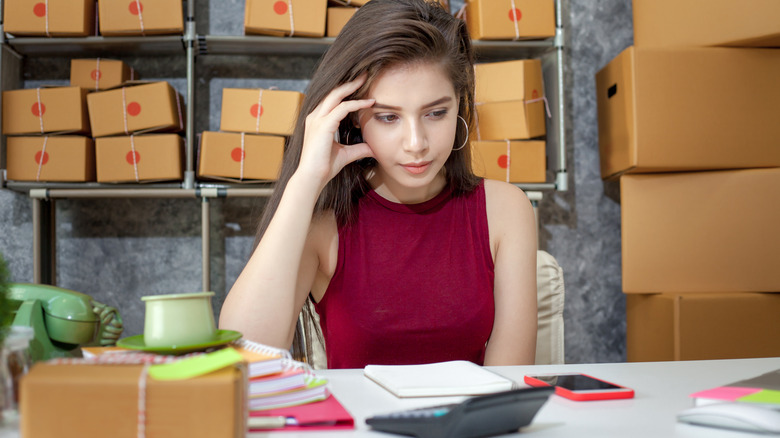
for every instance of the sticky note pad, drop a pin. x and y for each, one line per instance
(764, 396)
(195, 366)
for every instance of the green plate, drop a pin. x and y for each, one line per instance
(137, 343)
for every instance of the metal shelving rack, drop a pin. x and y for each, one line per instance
(191, 45)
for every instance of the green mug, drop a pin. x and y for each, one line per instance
(178, 319)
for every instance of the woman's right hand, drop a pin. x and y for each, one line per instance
(322, 157)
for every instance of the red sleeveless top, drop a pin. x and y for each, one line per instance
(413, 283)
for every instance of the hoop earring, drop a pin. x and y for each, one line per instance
(465, 140)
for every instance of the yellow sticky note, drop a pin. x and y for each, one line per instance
(763, 396)
(195, 366)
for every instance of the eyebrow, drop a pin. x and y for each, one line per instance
(428, 105)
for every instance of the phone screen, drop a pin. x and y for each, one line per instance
(577, 382)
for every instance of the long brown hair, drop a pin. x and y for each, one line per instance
(382, 34)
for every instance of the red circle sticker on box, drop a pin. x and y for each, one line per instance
(135, 7)
(515, 14)
(39, 9)
(253, 110)
(133, 108)
(280, 7)
(503, 161)
(237, 154)
(96, 74)
(133, 157)
(42, 157)
(38, 109)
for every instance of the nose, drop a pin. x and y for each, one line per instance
(417, 140)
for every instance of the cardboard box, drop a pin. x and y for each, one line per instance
(273, 17)
(663, 327)
(337, 18)
(150, 107)
(100, 400)
(509, 97)
(62, 18)
(510, 161)
(510, 19)
(260, 111)
(147, 158)
(99, 74)
(50, 158)
(158, 17)
(667, 110)
(221, 156)
(59, 110)
(752, 23)
(711, 231)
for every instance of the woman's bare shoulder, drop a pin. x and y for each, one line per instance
(501, 196)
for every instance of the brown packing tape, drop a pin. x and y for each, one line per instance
(141, 17)
(286, 17)
(240, 157)
(209, 406)
(54, 18)
(51, 158)
(139, 158)
(45, 110)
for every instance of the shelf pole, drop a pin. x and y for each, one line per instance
(189, 40)
(44, 242)
(205, 236)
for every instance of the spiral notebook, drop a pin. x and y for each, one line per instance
(439, 379)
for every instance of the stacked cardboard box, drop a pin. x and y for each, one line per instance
(510, 19)
(510, 111)
(47, 129)
(690, 131)
(135, 17)
(119, 115)
(255, 123)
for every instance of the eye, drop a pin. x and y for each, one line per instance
(437, 114)
(386, 118)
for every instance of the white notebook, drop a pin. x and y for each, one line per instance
(440, 379)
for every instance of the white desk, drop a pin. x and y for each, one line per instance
(661, 391)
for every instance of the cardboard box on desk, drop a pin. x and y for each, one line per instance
(273, 17)
(57, 18)
(682, 109)
(710, 231)
(510, 100)
(260, 111)
(45, 110)
(713, 23)
(337, 18)
(510, 19)
(139, 158)
(99, 74)
(510, 161)
(149, 107)
(123, 17)
(102, 400)
(60, 158)
(669, 326)
(228, 155)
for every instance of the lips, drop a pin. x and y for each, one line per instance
(416, 168)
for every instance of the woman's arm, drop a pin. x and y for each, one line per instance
(513, 237)
(267, 297)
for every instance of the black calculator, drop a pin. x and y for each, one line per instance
(481, 416)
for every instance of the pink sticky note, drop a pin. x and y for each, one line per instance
(727, 393)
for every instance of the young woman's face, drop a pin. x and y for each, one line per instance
(410, 129)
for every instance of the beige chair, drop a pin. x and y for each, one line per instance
(309, 345)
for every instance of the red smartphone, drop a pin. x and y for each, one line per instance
(580, 387)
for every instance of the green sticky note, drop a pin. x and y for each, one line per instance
(195, 366)
(763, 396)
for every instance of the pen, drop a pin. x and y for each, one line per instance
(270, 422)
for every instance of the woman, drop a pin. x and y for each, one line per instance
(408, 256)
